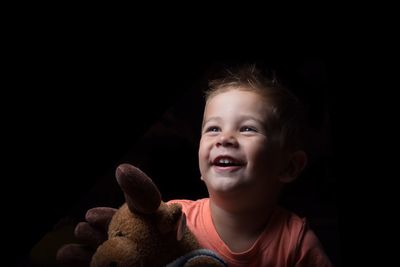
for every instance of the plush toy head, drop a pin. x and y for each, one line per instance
(145, 231)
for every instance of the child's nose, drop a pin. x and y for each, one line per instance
(227, 139)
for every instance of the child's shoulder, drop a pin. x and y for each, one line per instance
(195, 210)
(190, 204)
(289, 220)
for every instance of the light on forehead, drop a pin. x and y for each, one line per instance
(228, 88)
(264, 98)
(261, 94)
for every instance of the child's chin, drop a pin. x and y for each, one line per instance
(223, 184)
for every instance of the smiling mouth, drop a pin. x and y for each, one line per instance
(227, 163)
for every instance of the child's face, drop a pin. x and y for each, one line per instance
(235, 152)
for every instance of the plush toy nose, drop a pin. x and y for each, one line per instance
(113, 264)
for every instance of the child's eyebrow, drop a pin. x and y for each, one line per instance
(241, 118)
(216, 118)
(252, 118)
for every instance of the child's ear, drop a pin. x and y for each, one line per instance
(295, 165)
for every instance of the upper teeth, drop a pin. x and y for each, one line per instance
(226, 161)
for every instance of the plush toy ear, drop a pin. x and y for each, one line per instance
(180, 231)
(171, 218)
(140, 192)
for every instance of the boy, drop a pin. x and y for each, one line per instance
(251, 145)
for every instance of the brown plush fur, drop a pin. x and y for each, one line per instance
(146, 239)
(127, 229)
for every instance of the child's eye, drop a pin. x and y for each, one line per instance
(247, 129)
(212, 129)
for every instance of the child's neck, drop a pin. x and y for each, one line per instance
(240, 229)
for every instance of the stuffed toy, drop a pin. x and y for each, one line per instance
(145, 231)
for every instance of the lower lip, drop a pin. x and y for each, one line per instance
(227, 169)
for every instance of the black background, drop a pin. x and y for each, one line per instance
(72, 118)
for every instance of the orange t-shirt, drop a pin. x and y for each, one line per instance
(286, 241)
